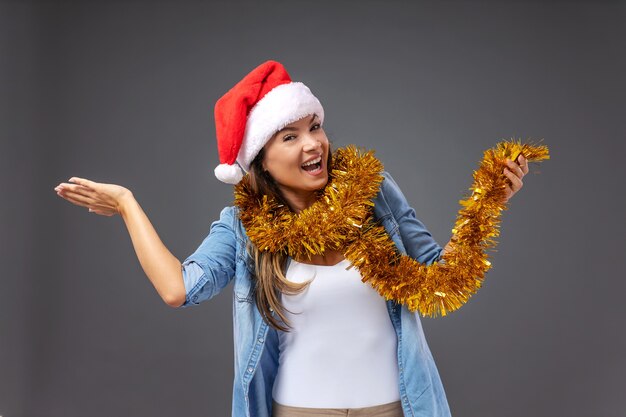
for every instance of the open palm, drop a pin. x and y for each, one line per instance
(100, 198)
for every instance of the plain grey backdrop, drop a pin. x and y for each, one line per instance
(123, 92)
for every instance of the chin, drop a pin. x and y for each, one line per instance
(318, 182)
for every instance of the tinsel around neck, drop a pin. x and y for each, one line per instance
(337, 215)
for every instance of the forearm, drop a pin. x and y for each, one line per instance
(162, 268)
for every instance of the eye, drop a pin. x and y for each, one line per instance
(316, 126)
(288, 137)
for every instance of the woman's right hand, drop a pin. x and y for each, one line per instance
(103, 199)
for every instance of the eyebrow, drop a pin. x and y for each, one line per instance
(293, 128)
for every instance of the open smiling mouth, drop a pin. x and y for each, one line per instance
(314, 166)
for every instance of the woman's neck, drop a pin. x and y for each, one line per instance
(298, 200)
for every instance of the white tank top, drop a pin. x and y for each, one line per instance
(341, 351)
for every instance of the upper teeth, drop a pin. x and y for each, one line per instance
(315, 161)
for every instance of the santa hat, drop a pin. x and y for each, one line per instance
(258, 106)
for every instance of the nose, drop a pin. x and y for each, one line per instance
(312, 143)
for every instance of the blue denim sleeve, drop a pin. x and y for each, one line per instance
(211, 267)
(417, 240)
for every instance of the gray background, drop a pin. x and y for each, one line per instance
(123, 92)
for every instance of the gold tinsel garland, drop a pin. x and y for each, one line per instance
(342, 219)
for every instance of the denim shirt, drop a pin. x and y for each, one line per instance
(222, 257)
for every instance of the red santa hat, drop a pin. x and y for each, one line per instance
(258, 106)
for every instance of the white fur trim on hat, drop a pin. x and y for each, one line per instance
(230, 174)
(283, 105)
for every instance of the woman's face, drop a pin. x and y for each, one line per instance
(296, 157)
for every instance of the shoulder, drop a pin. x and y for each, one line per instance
(388, 184)
(228, 223)
(387, 197)
(229, 216)
(229, 213)
(389, 191)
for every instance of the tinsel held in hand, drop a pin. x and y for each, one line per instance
(342, 219)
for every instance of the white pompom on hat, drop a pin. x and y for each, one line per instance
(250, 113)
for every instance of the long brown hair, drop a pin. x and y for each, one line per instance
(270, 268)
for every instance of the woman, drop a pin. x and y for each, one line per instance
(310, 337)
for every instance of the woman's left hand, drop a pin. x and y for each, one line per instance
(515, 172)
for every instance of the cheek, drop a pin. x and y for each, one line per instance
(326, 146)
(282, 164)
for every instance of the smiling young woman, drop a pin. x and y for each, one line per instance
(312, 337)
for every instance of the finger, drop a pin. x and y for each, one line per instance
(508, 192)
(78, 197)
(516, 182)
(513, 167)
(73, 200)
(523, 163)
(82, 181)
(80, 189)
(93, 208)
